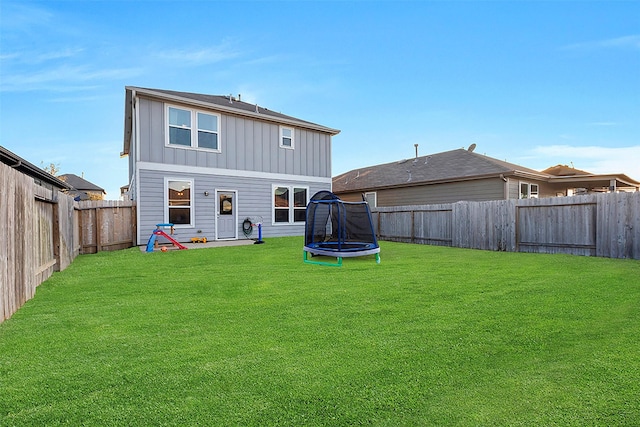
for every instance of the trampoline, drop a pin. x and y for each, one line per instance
(335, 228)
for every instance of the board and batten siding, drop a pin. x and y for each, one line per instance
(245, 144)
(254, 200)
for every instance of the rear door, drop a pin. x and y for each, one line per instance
(226, 215)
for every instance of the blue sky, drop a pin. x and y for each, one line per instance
(534, 83)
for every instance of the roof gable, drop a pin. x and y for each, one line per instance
(440, 167)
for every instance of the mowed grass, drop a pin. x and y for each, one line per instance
(252, 336)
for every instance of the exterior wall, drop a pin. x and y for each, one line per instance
(246, 144)
(545, 189)
(254, 199)
(477, 190)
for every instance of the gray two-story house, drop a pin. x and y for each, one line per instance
(209, 163)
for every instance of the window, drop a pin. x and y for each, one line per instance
(181, 130)
(179, 202)
(207, 131)
(289, 204)
(179, 127)
(371, 198)
(528, 190)
(286, 137)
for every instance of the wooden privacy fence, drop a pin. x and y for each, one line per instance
(42, 231)
(605, 225)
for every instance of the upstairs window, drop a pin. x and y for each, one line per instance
(289, 204)
(286, 137)
(179, 127)
(528, 190)
(194, 129)
(207, 131)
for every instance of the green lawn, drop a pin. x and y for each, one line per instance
(251, 335)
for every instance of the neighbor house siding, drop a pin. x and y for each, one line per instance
(254, 200)
(245, 144)
(476, 190)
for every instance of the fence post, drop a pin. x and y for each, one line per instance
(56, 236)
(98, 229)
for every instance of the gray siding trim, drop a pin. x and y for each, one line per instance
(230, 172)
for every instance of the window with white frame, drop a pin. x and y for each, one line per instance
(528, 190)
(371, 197)
(289, 204)
(179, 206)
(286, 137)
(195, 129)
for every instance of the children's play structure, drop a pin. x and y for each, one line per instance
(159, 232)
(339, 229)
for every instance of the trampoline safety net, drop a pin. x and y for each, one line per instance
(339, 229)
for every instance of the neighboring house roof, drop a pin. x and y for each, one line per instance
(40, 176)
(564, 170)
(564, 173)
(455, 165)
(81, 184)
(226, 104)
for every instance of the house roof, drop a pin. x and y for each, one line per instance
(40, 176)
(455, 165)
(223, 103)
(564, 173)
(564, 170)
(80, 184)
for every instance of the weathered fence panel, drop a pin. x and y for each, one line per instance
(106, 225)
(42, 233)
(484, 225)
(557, 225)
(67, 242)
(429, 224)
(17, 260)
(606, 225)
(618, 234)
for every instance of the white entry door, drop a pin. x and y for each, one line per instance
(226, 215)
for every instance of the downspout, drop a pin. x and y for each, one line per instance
(505, 186)
(136, 174)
